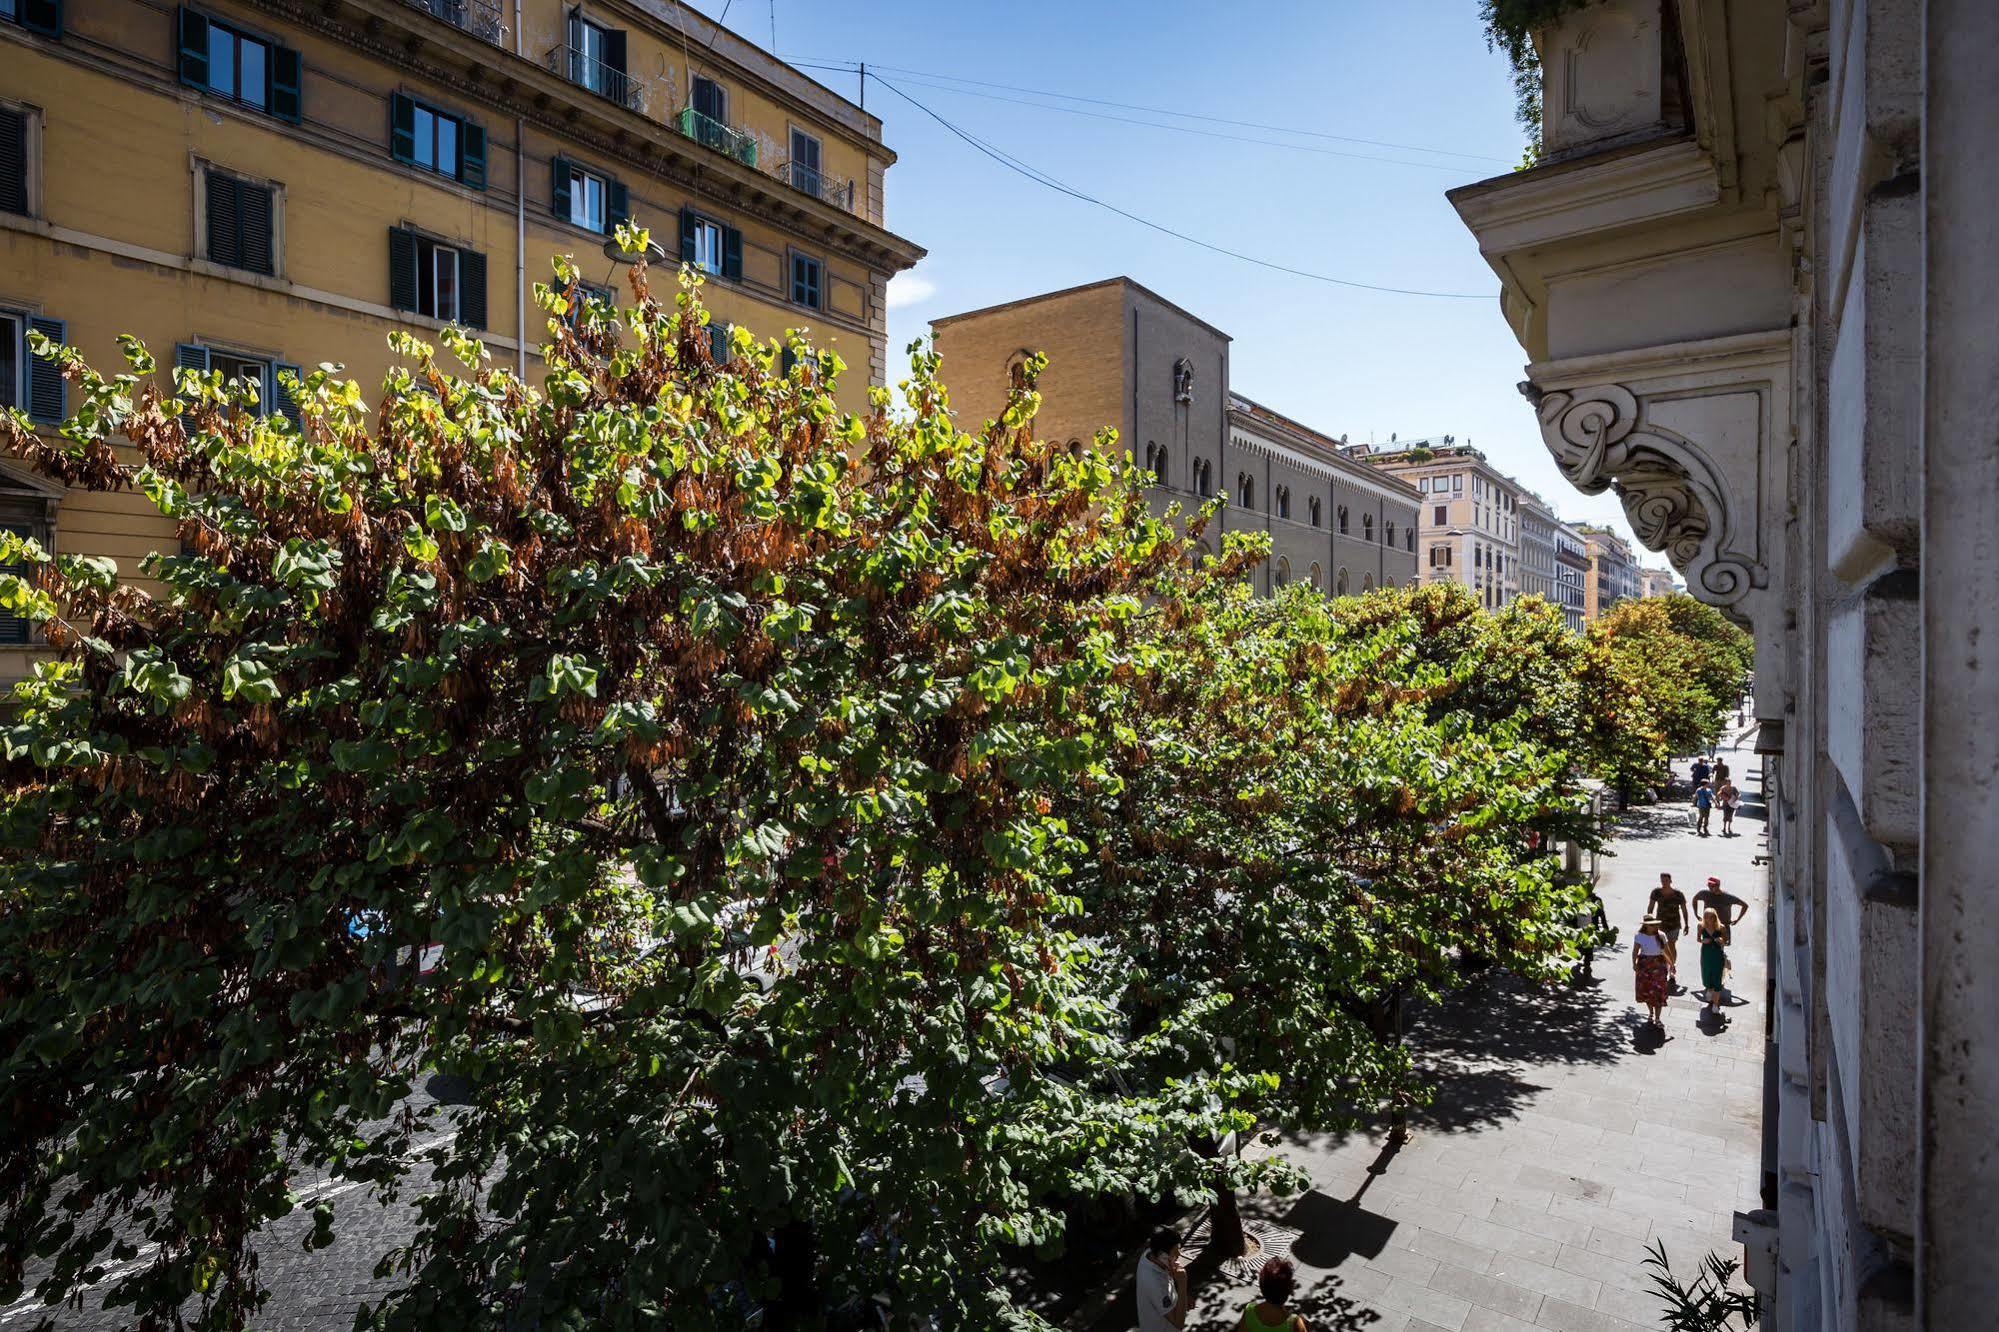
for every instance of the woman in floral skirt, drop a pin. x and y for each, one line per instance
(1651, 964)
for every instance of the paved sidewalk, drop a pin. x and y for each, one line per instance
(1565, 1135)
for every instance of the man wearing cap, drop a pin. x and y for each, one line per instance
(1722, 902)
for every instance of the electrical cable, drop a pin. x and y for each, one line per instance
(1042, 178)
(850, 65)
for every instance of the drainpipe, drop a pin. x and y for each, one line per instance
(520, 222)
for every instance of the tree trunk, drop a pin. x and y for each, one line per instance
(1225, 1233)
(795, 1263)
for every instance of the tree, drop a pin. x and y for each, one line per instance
(716, 736)
(1675, 664)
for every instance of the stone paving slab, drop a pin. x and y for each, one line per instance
(1564, 1138)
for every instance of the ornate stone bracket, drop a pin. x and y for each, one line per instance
(1602, 439)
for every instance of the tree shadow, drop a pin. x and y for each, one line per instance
(1478, 1047)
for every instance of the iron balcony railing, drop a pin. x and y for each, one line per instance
(714, 134)
(481, 18)
(818, 184)
(607, 81)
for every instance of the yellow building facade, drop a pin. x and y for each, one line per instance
(255, 184)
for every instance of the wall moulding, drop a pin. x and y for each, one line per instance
(1686, 435)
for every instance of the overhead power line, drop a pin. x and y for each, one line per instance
(850, 65)
(1042, 178)
(1315, 149)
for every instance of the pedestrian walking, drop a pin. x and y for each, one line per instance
(1703, 808)
(1720, 771)
(1731, 908)
(1651, 963)
(1701, 770)
(1162, 1284)
(1714, 941)
(1275, 1283)
(1593, 928)
(1729, 799)
(1668, 905)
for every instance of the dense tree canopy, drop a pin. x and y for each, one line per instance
(1664, 668)
(823, 843)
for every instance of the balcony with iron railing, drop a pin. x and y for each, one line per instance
(481, 18)
(607, 81)
(835, 190)
(714, 134)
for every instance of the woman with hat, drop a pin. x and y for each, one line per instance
(1651, 963)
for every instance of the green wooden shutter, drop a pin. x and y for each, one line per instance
(253, 211)
(282, 397)
(472, 154)
(287, 83)
(687, 223)
(13, 162)
(193, 49)
(402, 269)
(225, 233)
(471, 289)
(719, 350)
(732, 254)
(48, 396)
(558, 198)
(618, 206)
(43, 16)
(16, 629)
(402, 128)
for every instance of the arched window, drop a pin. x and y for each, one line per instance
(1283, 576)
(1343, 525)
(1388, 534)
(1318, 513)
(1367, 527)
(1204, 477)
(1318, 574)
(1075, 448)
(1409, 539)
(1343, 582)
(1367, 582)
(1245, 487)
(1284, 501)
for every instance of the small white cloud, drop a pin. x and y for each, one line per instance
(909, 288)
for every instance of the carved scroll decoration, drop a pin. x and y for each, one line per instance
(1676, 504)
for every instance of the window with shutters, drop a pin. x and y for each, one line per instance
(26, 516)
(711, 246)
(596, 57)
(43, 16)
(443, 282)
(588, 199)
(426, 136)
(230, 62)
(27, 380)
(262, 372)
(807, 281)
(237, 221)
(20, 157)
(719, 339)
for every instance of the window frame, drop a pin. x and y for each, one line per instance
(16, 393)
(202, 167)
(31, 155)
(793, 259)
(585, 177)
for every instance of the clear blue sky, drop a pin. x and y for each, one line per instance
(1408, 72)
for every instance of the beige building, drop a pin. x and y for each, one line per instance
(1468, 525)
(250, 185)
(1613, 571)
(1754, 281)
(1124, 357)
(1658, 583)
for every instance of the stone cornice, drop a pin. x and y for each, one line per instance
(1625, 187)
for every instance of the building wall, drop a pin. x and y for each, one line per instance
(112, 241)
(1825, 469)
(1468, 516)
(1082, 333)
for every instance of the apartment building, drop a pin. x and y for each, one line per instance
(1468, 525)
(1122, 356)
(1657, 583)
(1613, 571)
(1572, 575)
(1537, 548)
(249, 185)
